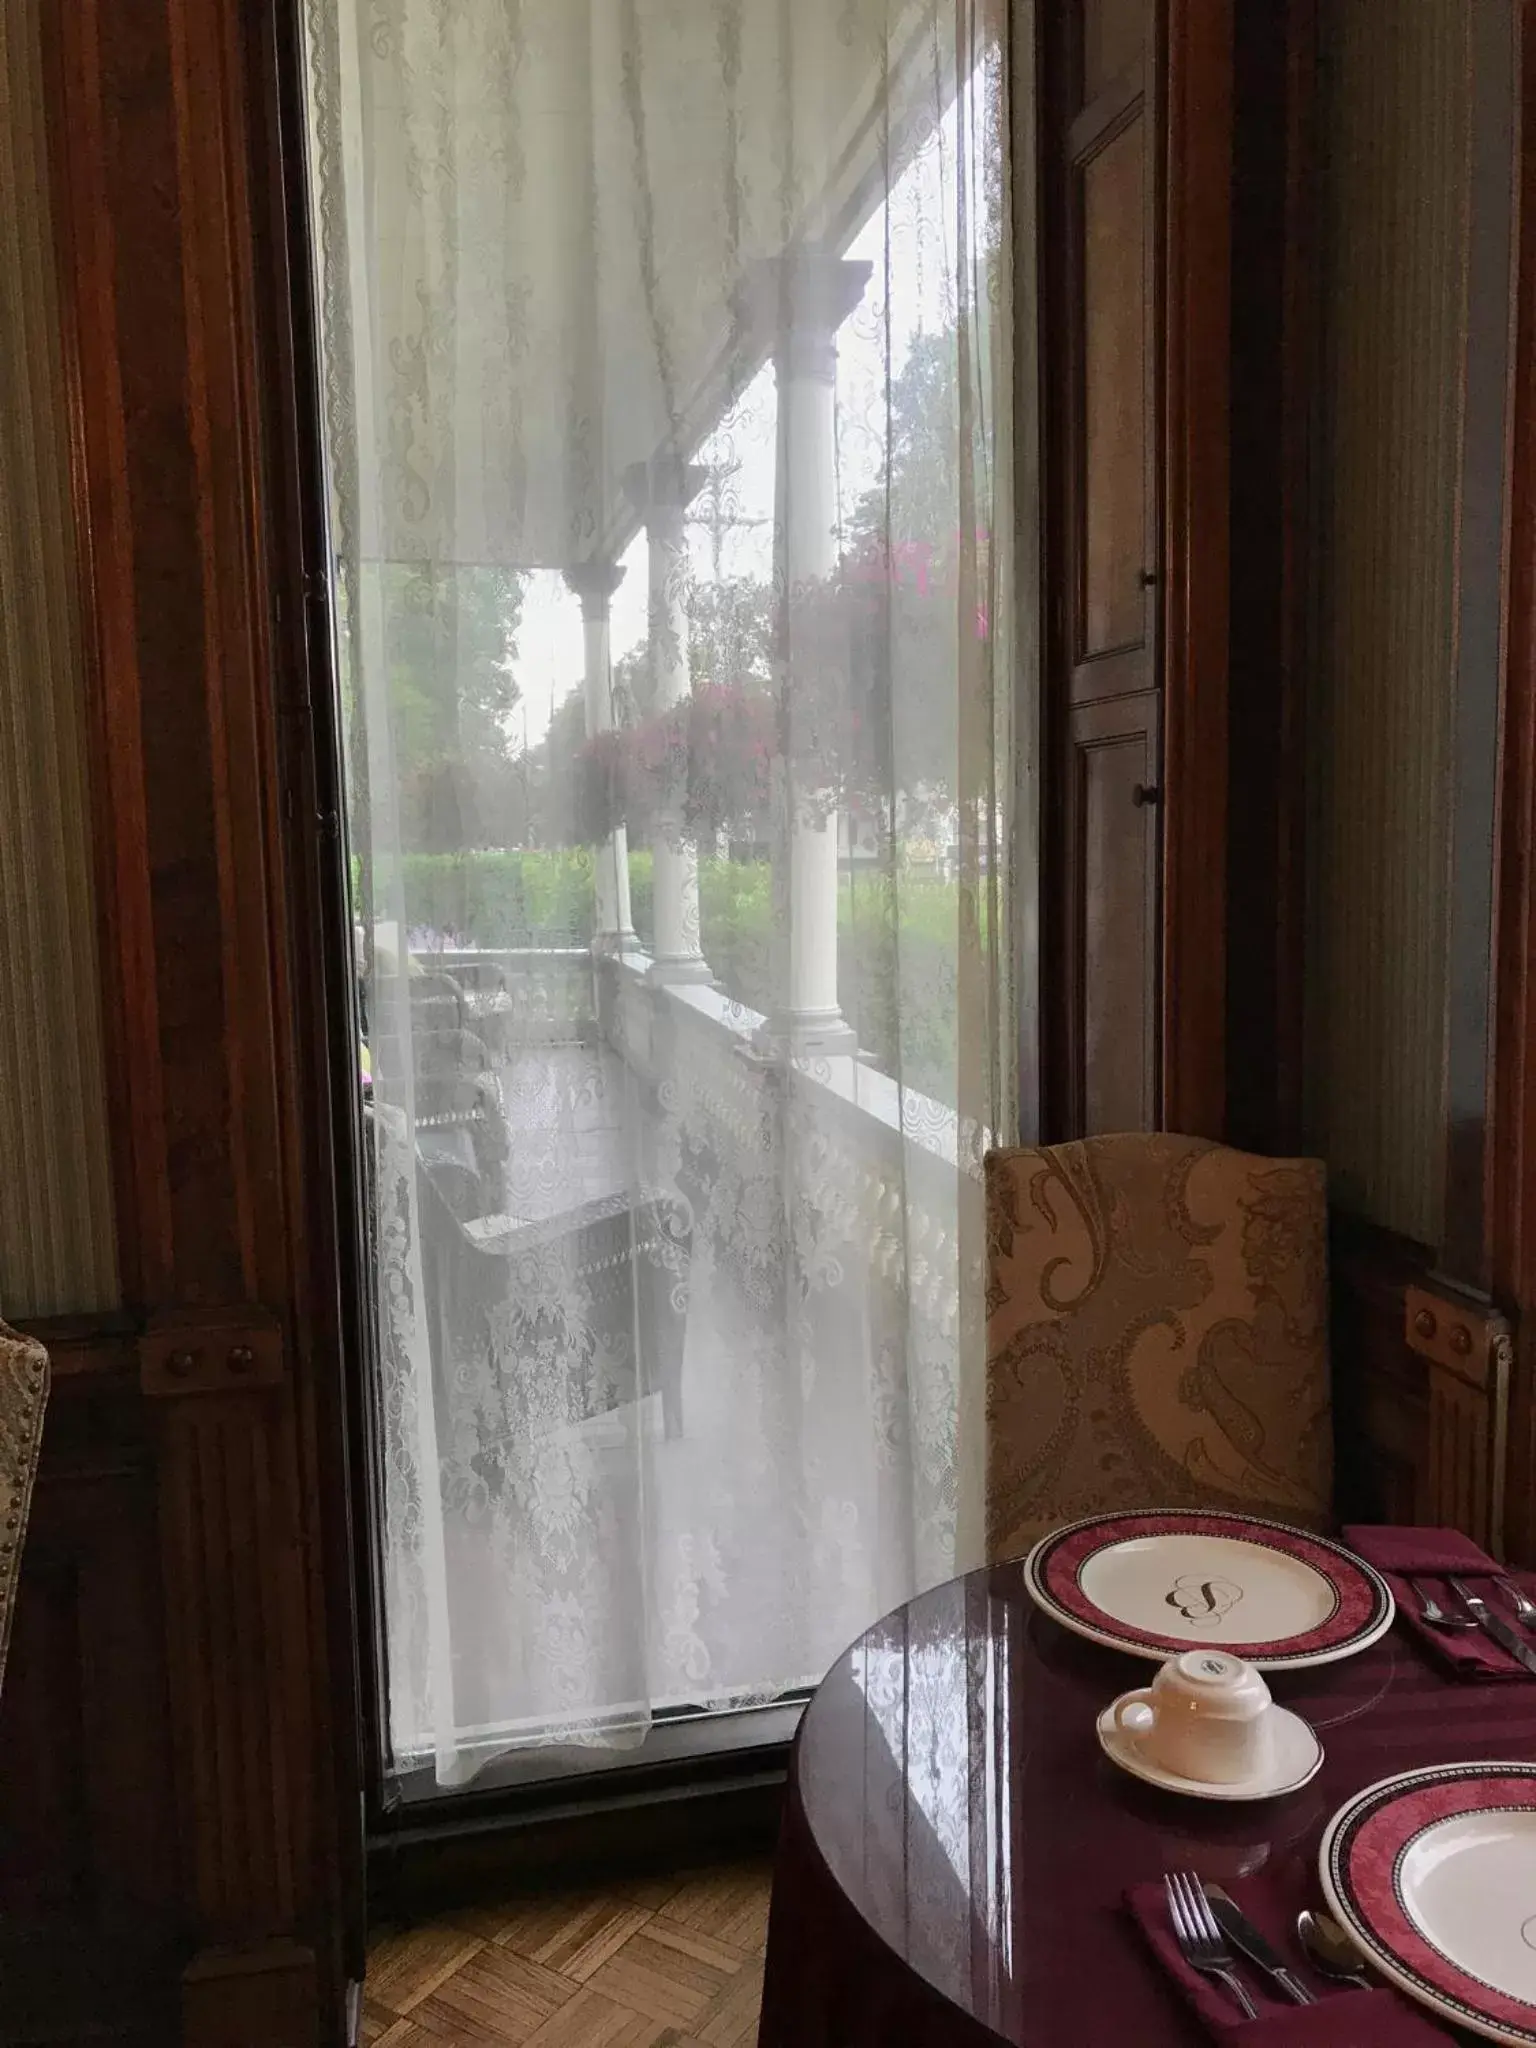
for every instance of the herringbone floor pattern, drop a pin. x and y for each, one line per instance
(668, 1963)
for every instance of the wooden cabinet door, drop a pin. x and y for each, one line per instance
(1115, 867)
(1101, 361)
(1135, 231)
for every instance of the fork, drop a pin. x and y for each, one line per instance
(1431, 1612)
(1525, 1607)
(1201, 1942)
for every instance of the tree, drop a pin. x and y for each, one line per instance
(914, 508)
(912, 539)
(730, 632)
(452, 633)
(549, 771)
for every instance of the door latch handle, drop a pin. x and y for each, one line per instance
(1146, 793)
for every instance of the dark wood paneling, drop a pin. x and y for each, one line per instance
(565, 1842)
(1101, 685)
(91, 1930)
(1479, 653)
(100, 1347)
(84, 1785)
(235, 1614)
(1113, 766)
(1196, 525)
(1380, 1392)
(332, 1306)
(1137, 271)
(1115, 340)
(1512, 1117)
(166, 141)
(1114, 34)
(1273, 374)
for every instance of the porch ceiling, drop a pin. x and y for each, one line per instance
(550, 210)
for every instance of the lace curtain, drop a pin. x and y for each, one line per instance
(667, 360)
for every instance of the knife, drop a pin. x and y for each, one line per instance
(1496, 1626)
(1241, 1932)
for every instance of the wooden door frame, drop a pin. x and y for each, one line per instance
(1273, 358)
(1511, 1151)
(169, 126)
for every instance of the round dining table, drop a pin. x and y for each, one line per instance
(956, 1849)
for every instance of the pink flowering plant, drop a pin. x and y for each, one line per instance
(883, 628)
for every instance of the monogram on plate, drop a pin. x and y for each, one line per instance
(1204, 1603)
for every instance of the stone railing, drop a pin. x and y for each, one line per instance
(846, 1210)
(884, 1160)
(882, 1173)
(884, 1164)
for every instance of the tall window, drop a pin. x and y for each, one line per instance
(667, 359)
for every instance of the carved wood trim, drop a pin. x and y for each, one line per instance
(196, 1354)
(1468, 1348)
(87, 1348)
(235, 1623)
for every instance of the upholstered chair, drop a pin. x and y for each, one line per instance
(1157, 1334)
(23, 1391)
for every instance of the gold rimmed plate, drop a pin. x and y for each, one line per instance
(1431, 1873)
(1156, 1581)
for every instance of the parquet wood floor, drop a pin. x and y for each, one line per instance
(664, 1963)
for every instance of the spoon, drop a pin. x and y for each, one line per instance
(1433, 1614)
(1330, 1950)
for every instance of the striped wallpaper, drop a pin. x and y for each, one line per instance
(1394, 142)
(57, 1244)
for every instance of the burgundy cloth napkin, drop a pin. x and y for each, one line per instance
(1431, 1554)
(1341, 2018)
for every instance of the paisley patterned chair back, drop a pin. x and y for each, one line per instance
(23, 1391)
(1157, 1334)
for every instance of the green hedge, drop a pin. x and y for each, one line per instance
(896, 973)
(896, 946)
(499, 899)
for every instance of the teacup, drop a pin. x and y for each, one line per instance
(1206, 1716)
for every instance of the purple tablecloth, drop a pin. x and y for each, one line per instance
(956, 1850)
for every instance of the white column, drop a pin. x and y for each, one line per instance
(661, 491)
(594, 583)
(806, 298)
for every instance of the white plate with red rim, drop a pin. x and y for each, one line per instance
(1155, 1581)
(1433, 1872)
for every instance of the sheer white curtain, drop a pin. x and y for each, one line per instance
(667, 363)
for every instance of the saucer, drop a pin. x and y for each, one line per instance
(1298, 1757)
